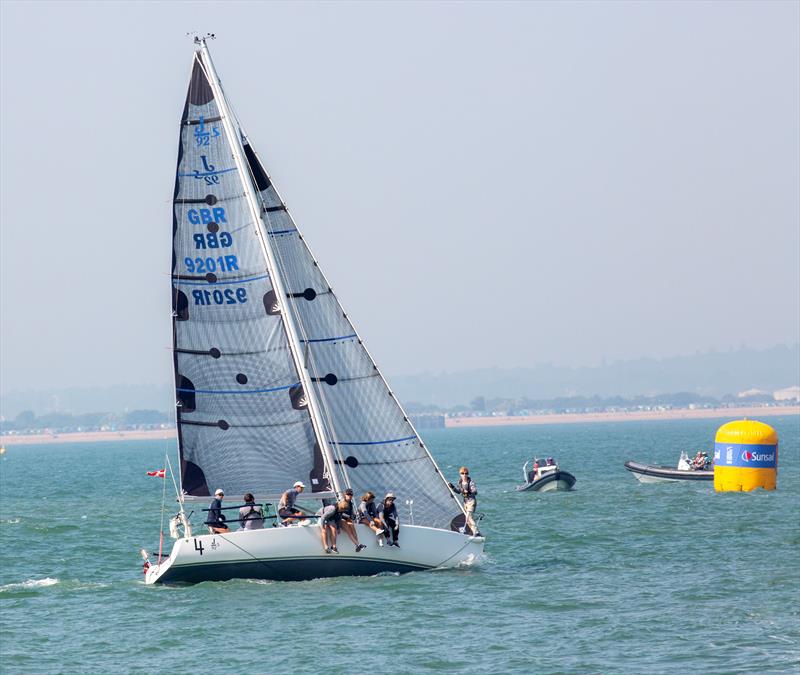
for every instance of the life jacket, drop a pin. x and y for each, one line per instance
(463, 488)
(253, 514)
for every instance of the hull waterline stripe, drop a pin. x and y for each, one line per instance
(308, 557)
(234, 391)
(393, 440)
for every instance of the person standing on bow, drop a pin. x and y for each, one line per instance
(286, 507)
(469, 491)
(216, 519)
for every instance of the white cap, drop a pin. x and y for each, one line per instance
(299, 484)
(219, 492)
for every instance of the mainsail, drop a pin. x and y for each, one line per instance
(241, 425)
(313, 402)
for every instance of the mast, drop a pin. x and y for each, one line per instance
(275, 277)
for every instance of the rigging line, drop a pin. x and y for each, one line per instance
(455, 554)
(245, 551)
(163, 508)
(174, 484)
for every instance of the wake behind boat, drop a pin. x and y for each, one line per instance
(545, 476)
(686, 470)
(274, 384)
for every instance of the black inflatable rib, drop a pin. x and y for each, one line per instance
(538, 484)
(668, 472)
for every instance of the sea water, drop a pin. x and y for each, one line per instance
(613, 577)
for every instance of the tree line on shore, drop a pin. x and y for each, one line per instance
(28, 421)
(565, 404)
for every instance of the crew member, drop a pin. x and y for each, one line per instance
(286, 507)
(469, 491)
(216, 519)
(251, 516)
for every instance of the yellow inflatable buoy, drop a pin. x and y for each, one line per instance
(745, 456)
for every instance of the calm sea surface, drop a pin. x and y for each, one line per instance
(614, 577)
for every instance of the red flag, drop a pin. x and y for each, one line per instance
(161, 473)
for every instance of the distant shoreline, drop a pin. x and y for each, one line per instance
(621, 416)
(450, 423)
(89, 437)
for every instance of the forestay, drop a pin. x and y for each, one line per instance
(242, 423)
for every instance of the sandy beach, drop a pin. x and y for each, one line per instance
(450, 423)
(638, 415)
(88, 437)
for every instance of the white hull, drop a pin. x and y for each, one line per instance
(644, 478)
(296, 553)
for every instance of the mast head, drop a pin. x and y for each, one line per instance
(200, 40)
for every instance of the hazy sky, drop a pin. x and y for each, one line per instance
(484, 184)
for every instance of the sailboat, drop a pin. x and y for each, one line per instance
(274, 384)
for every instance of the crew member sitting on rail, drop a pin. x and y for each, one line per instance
(286, 507)
(348, 521)
(329, 517)
(251, 516)
(216, 519)
(368, 515)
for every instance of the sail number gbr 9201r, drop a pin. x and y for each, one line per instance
(207, 242)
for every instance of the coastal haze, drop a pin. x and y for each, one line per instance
(487, 186)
